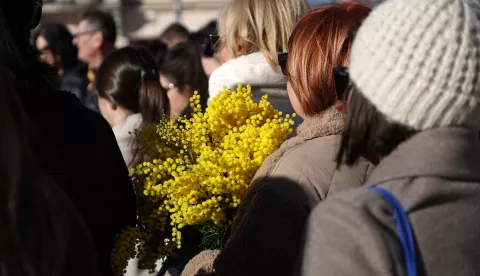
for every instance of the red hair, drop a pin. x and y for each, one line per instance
(321, 41)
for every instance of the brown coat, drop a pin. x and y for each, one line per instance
(270, 222)
(436, 177)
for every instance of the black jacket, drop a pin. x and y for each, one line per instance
(76, 81)
(77, 149)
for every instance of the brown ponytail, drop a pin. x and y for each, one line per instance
(129, 78)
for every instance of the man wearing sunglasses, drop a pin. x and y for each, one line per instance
(95, 39)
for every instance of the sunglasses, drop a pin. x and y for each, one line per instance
(282, 61)
(342, 81)
(340, 75)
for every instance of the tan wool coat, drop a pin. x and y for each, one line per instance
(268, 228)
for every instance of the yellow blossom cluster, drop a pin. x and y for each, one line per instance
(201, 169)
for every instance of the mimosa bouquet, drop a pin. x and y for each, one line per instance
(200, 170)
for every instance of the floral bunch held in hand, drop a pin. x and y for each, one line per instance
(201, 169)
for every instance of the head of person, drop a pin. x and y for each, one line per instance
(54, 42)
(154, 46)
(20, 57)
(95, 37)
(157, 48)
(174, 34)
(202, 37)
(128, 83)
(248, 26)
(18, 18)
(20, 21)
(320, 42)
(182, 74)
(399, 87)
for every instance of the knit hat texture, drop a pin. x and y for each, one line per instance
(418, 62)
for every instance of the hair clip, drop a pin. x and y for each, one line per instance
(142, 75)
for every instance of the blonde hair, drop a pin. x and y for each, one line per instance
(260, 26)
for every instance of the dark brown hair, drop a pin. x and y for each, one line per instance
(59, 41)
(368, 133)
(183, 66)
(321, 41)
(173, 31)
(103, 22)
(130, 79)
(157, 48)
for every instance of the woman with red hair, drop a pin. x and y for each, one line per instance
(268, 229)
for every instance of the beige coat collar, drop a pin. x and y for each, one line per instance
(329, 122)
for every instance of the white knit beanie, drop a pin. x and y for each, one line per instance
(418, 62)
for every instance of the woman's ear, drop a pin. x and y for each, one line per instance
(238, 47)
(98, 40)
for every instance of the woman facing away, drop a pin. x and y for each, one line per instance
(268, 228)
(181, 75)
(130, 97)
(72, 145)
(54, 42)
(252, 34)
(413, 109)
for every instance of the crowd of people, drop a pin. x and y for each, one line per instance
(379, 178)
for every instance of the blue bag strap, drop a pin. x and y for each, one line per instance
(404, 230)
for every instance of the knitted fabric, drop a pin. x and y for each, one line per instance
(418, 62)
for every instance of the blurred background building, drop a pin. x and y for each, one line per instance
(138, 19)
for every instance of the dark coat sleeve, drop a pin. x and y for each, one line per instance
(77, 149)
(268, 230)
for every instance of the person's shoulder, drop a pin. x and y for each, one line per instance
(79, 117)
(356, 226)
(71, 104)
(280, 191)
(361, 198)
(312, 164)
(246, 69)
(221, 77)
(318, 152)
(360, 202)
(319, 147)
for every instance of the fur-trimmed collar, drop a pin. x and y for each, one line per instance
(329, 122)
(250, 69)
